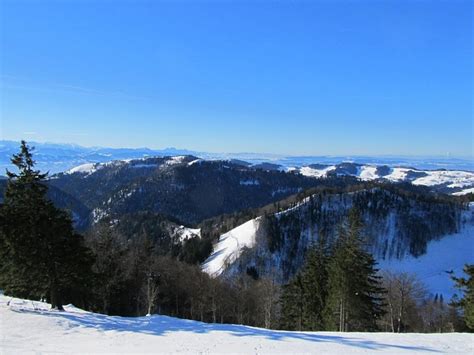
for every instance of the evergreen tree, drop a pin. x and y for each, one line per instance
(466, 303)
(41, 256)
(109, 271)
(338, 286)
(314, 279)
(354, 290)
(303, 299)
(293, 305)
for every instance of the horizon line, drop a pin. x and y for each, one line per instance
(275, 155)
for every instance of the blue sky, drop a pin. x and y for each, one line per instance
(291, 77)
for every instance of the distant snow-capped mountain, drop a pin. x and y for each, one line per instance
(61, 157)
(57, 158)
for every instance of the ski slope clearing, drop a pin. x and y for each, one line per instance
(230, 246)
(28, 327)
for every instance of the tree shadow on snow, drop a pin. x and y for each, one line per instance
(162, 325)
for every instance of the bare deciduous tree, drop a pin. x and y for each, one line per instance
(404, 293)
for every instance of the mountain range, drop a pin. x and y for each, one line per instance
(56, 158)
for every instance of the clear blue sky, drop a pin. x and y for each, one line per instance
(293, 77)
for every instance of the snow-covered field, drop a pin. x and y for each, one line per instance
(28, 327)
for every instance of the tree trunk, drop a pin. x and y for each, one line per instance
(392, 318)
(56, 302)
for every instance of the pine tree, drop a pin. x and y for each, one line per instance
(338, 287)
(293, 305)
(108, 267)
(303, 299)
(41, 256)
(354, 290)
(466, 303)
(314, 280)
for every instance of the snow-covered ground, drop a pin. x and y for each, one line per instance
(464, 192)
(230, 246)
(28, 327)
(87, 168)
(443, 259)
(450, 178)
(185, 233)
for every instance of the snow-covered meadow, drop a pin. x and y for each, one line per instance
(28, 327)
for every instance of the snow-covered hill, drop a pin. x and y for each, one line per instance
(446, 253)
(186, 188)
(456, 182)
(57, 158)
(451, 181)
(28, 327)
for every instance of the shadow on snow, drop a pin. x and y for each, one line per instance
(162, 325)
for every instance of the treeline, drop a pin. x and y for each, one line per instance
(42, 257)
(134, 278)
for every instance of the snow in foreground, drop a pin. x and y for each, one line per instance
(30, 327)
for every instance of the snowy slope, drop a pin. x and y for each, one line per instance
(28, 327)
(443, 257)
(448, 254)
(464, 192)
(230, 246)
(87, 168)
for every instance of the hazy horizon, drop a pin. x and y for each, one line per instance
(190, 150)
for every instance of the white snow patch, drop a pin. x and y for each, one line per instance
(307, 171)
(175, 160)
(368, 172)
(88, 168)
(185, 233)
(98, 214)
(30, 327)
(453, 178)
(464, 192)
(397, 174)
(230, 246)
(196, 161)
